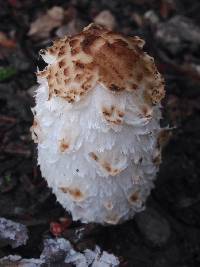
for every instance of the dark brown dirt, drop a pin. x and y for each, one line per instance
(170, 28)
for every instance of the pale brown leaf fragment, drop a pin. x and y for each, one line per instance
(43, 25)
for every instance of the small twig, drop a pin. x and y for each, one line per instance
(7, 119)
(17, 150)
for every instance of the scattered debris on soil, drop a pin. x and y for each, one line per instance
(12, 233)
(59, 252)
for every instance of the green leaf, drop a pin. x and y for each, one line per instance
(6, 73)
(7, 178)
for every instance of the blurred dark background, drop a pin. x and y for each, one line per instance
(167, 233)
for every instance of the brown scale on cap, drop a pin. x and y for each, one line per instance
(94, 156)
(113, 115)
(74, 193)
(147, 112)
(100, 55)
(157, 159)
(108, 205)
(112, 218)
(108, 167)
(134, 197)
(36, 131)
(63, 145)
(105, 164)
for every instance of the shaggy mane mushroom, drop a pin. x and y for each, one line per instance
(97, 124)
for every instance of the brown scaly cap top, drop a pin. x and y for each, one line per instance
(100, 55)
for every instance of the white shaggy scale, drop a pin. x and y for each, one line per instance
(130, 148)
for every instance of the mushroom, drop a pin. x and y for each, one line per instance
(98, 124)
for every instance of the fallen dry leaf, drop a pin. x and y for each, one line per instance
(71, 28)
(6, 42)
(106, 18)
(44, 24)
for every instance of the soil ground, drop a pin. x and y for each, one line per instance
(167, 234)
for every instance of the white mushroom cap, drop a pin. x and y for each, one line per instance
(97, 123)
